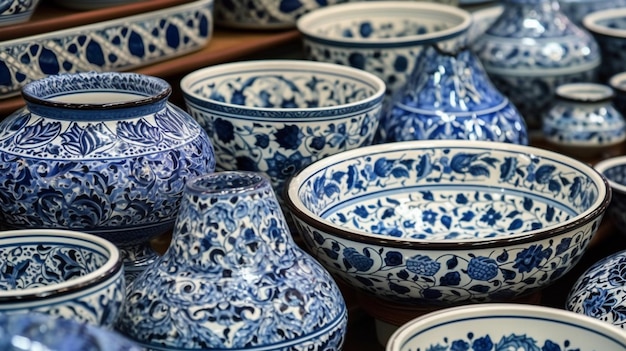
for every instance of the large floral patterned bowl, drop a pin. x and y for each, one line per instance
(277, 116)
(67, 274)
(504, 326)
(434, 223)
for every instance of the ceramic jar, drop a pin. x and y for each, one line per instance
(582, 120)
(450, 96)
(531, 49)
(233, 278)
(104, 153)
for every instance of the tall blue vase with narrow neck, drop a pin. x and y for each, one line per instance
(532, 48)
(450, 96)
(233, 278)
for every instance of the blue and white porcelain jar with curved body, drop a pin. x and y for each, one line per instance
(104, 153)
(233, 278)
(450, 96)
(531, 49)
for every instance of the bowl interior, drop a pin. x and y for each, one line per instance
(35, 261)
(506, 327)
(614, 169)
(611, 22)
(272, 87)
(451, 190)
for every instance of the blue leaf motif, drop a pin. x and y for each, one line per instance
(461, 162)
(83, 141)
(478, 171)
(544, 173)
(517, 342)
(516, 224)
(507, 168)
(140, 133)
(38, 134)
(173, 124)
(424, 167)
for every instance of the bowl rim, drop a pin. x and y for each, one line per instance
(306, 23)
(298, 210)
(188, 82)
(618, 82)
(590, 22)
(503, 309)
(604, 165)
(110, 268)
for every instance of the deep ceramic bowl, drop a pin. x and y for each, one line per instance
(39, 332)
(277, 116)
(265, 14)
(576, 10)
(380, 37)
(16, 11)
(506, 327)
(614, 170)
(62, 273)
(448, 221)
(609, 29)
(600, 291)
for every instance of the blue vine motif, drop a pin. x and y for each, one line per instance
(448, 193)
(233, 278)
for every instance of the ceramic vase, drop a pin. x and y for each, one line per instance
(450, 96)
(531, 49)
(104, 153)
(582, 120)
(233, 278)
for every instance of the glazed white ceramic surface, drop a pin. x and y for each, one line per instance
(62, 273)
(447, 221)
(277, 116)
(506, 327)
(614, 170)
(120, 44)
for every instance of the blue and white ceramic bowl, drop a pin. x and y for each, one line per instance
(277, 116)
(67, 274)
(618, 83)
(600, 291)
(447, 221)
(39, 332)
(380, 37)
(576, 10)
(582, 120)
(609, 29)
(16, 11)
(506, 327)
(614, 170)
(265, 14)
(482, 19)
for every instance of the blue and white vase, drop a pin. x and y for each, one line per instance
(582, 120)
(450, 96)
(531, 49)
(233, 278)
(104, 153)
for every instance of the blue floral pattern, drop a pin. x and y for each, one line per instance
(432, 194)
(233, 278)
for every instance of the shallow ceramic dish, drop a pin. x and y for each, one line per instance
(39, 332)
(265, 14)
(114, 45)
(16, 11)
(600, 291)
(614, 170)
(380, 37)
(449, 221)
(609, 29)
(506, 327)
(62, 273)
(277, 116)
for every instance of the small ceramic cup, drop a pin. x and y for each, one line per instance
(582, 120)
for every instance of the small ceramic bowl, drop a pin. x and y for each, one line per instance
(618, 83)
(39, 332)
(443, 222)
(609, 29)
(277, 116)
(16, 11)
(265, 14)
(506, 327)
(614, 170)
(380, 37)
(62, 273)
(582, 120)
(600, 291)
(576, 10)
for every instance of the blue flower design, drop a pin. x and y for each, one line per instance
(224, 130)
(491, 217)
(289, 137)
(422, 265)
(429, 216)
(357, 260)
(529, 259)
(482, 268)
(281, 166)
(318, 143)
(262, 140)
(598, 303)
(459, 345)
(451, 279)
(483, 344)
(617, 273)
(393, 258)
